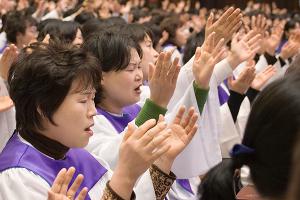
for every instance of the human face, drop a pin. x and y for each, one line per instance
(122, 88)
(150, 55)
(182, 34)
(78, 39)
(28, 37)
(73, 118)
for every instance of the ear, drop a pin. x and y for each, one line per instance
(104, 74)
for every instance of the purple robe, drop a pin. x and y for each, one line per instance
(17, 154)
(121, 122)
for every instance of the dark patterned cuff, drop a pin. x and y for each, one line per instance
(162, 182)
(110, 194)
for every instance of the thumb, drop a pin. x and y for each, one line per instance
(151, 71)
(129, 132)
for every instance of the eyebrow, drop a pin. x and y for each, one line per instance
(85, 92)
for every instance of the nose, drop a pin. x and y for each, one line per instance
(92, 111)
(139, 75)
(155, 54)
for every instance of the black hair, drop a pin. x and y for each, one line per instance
(68, 31)
(170, 25)
(271, 131)
(137, 31)
(194, 41)
(41, 78)
(84, 17)
(49, 26)
(17, 22)
(112, 49)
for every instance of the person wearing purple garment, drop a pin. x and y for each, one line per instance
(54, 123)
(121, 88)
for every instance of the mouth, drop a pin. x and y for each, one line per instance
(89, 130)
(138, 89)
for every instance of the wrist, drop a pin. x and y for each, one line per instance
(202, 84)
(233, 60)
(159, 102)
(122, 183)
(164, 164)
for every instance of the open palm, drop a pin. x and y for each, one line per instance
(183, 130)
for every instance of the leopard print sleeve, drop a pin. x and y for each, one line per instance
(161, 182)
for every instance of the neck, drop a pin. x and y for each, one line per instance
(45, 145)
(110, 107)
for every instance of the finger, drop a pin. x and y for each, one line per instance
(157, 141)
(159, 152)
(188, 117)
(225, 15)
(218, 48)
(153, 132)
(173, 68)
(192, 123)
(219, 56)
(159, 64)
(82, 194)
(234, 29)
(253, 22)
(166, 65)
(58, 181)
(248, 36)
(129, 132)
(68, 177)
(254, 39)
(234, 18)
(175, 72)
(210, 20)
(198, 54)
(179, 115)
(75, 186)
(191, 134)
(161, 118)
(151, 71)
(140, 132)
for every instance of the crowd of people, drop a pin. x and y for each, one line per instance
(135, 99)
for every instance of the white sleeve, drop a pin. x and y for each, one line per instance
(229, 134)
(222, 71)
(19, 183)
(105, 142)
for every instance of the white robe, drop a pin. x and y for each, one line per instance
(7, 119)
(20, 183)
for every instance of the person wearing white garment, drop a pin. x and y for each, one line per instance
(115, 109)
(55, 121)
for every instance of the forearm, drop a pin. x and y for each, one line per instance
(150, 110)
(234, 103)
(120, 186)
(201, 96)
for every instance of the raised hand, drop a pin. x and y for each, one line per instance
(288, 50)
(163, 78)
(243, 49)
(225, 26)
(206, 58)
(9, 55)
(262, 77)
(244, 80)
(274, 39)
(139, 149)
(59, 189)
(5, 103)
(183, 129)
(259, 24)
